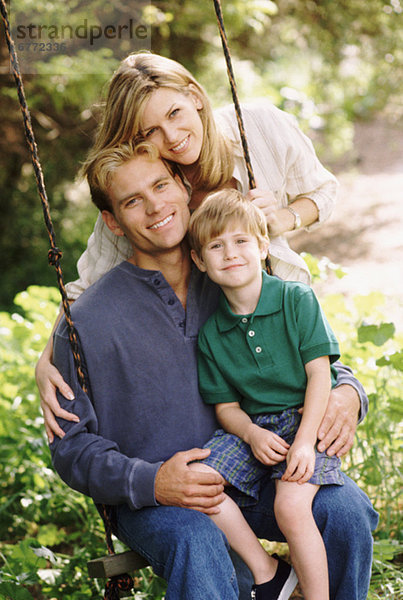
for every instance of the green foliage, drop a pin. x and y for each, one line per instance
(49, 532)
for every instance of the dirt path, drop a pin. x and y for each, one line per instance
(365, 232)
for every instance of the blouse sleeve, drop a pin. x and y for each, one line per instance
(276, 134)
(104, 251)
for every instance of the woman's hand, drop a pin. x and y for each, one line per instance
(48, 380)
(266, 201)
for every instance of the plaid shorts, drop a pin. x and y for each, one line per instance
(233, 458)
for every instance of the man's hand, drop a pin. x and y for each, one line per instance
(178, 485)
(337, 429)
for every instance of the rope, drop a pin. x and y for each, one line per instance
(238, 111)
(54, 254)
(54, 257)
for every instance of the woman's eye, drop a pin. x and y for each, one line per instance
(150, 132)
(174, 112)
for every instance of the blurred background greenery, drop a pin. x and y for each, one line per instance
(329, 63)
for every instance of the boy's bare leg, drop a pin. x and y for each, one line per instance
(293, 510)
(241, 537)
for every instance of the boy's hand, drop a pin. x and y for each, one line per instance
(267, 447)
(300, 462)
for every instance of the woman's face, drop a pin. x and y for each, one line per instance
(171, 121)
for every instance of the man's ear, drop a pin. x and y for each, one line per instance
(198, 261)
(111, 223)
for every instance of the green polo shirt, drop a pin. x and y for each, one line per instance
(258, 360)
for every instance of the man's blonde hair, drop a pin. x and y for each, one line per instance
(217, 211)
(102, 167)
(131, 86)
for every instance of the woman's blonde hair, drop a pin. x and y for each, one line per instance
(137, 77)
(217, 211)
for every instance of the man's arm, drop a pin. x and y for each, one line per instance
(94, 465)
(348, 405)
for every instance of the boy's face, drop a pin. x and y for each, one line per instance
(233, 258)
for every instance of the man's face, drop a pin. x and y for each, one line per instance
(149, 207)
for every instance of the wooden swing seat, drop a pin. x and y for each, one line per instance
(116, 564)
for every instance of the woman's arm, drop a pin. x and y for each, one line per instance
(48, 380)
(104, 251)
(282, 220)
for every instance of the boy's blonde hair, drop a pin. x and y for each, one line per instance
(131, 86)
(217, 211)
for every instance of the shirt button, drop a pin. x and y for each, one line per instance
(171, 301)
(258, 349)
(251, 333)
(182, 324)
(244, 320)
(157, 281)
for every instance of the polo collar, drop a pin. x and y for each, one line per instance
(270, 302)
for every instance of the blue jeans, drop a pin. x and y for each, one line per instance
(191, 553)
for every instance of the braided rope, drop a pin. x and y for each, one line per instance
(231, 77)
(54, 257)
(54, 254)
(238, 112)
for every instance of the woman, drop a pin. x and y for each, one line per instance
(156, 98)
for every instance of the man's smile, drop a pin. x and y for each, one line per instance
(161, 223)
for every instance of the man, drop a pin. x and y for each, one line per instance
(142, 420)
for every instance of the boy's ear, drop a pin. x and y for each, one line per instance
(264, 248)
(198, 261)
(111, 223)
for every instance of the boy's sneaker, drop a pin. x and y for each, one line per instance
(280, 587)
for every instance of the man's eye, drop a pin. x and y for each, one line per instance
(131, 202)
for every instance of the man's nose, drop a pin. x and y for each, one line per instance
(154, 204)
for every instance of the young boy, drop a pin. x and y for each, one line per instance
(263, 355)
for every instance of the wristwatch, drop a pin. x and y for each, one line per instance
(297, 218)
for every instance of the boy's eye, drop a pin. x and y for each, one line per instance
(215, 245)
